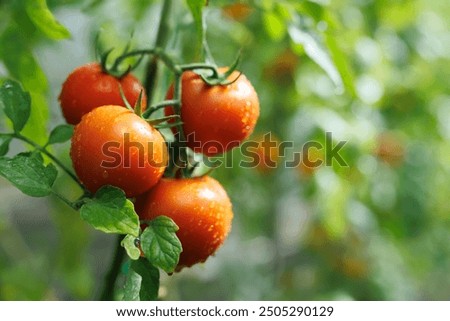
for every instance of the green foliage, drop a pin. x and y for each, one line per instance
(375, 230)
(142, 281)
(316, 51)
(160, 244)
(110, 212)
(274, 25)
(29, 174)
(44, 20)
(20, 61)
(60, 134)
(129, 243)
(4, 144)
(196, 7)
(16, 104)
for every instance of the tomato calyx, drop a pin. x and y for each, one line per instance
(220, 79)
(115, 70)
(137, 109)
(211, 75)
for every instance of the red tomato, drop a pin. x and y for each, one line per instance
(201, 209)
(216, 118)
(88, 87)
(113, 146)
(390, 149)
(237, 11)
(267, 151)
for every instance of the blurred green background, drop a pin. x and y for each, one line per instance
(374, 73)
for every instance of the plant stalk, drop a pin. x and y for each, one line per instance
(161, 39)
(107, 293)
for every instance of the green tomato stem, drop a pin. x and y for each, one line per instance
(180, 136)
(161, 39)
(156, 107)
(158, 53)
(194, 66)
(150, 80)
(65, 200)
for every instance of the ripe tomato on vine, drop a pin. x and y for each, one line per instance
(216, 118)
(113, 146)
(88, 87)
(199, 206)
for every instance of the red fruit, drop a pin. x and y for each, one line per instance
(201, 209)
(113, 146)
(88, 87)
(216, 118)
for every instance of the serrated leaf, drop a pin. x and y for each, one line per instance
(60, 134)
(142, 281)
(4, 144)
(160, 244)
(28, 173)
(44, 20)
(196, 8)
(129, 244)
(317, 52)
(16, 103)
(110, 212)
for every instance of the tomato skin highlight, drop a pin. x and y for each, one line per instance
(88, 87)
(121, 163)
(199, 206)
(216, 118)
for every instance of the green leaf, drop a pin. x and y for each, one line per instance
(132, 286)
(16, 103)
(142, 281)
(28, 173)
(130, 246)
(110, 211)
(44, 20)
(160, 244)
(317, 52)
(60, 134)
(274, 25)
(4, 144)
(196, 7)
(18, 58)
(312, 9)
(341, 63)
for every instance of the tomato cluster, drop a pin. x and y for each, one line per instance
(112, 145)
